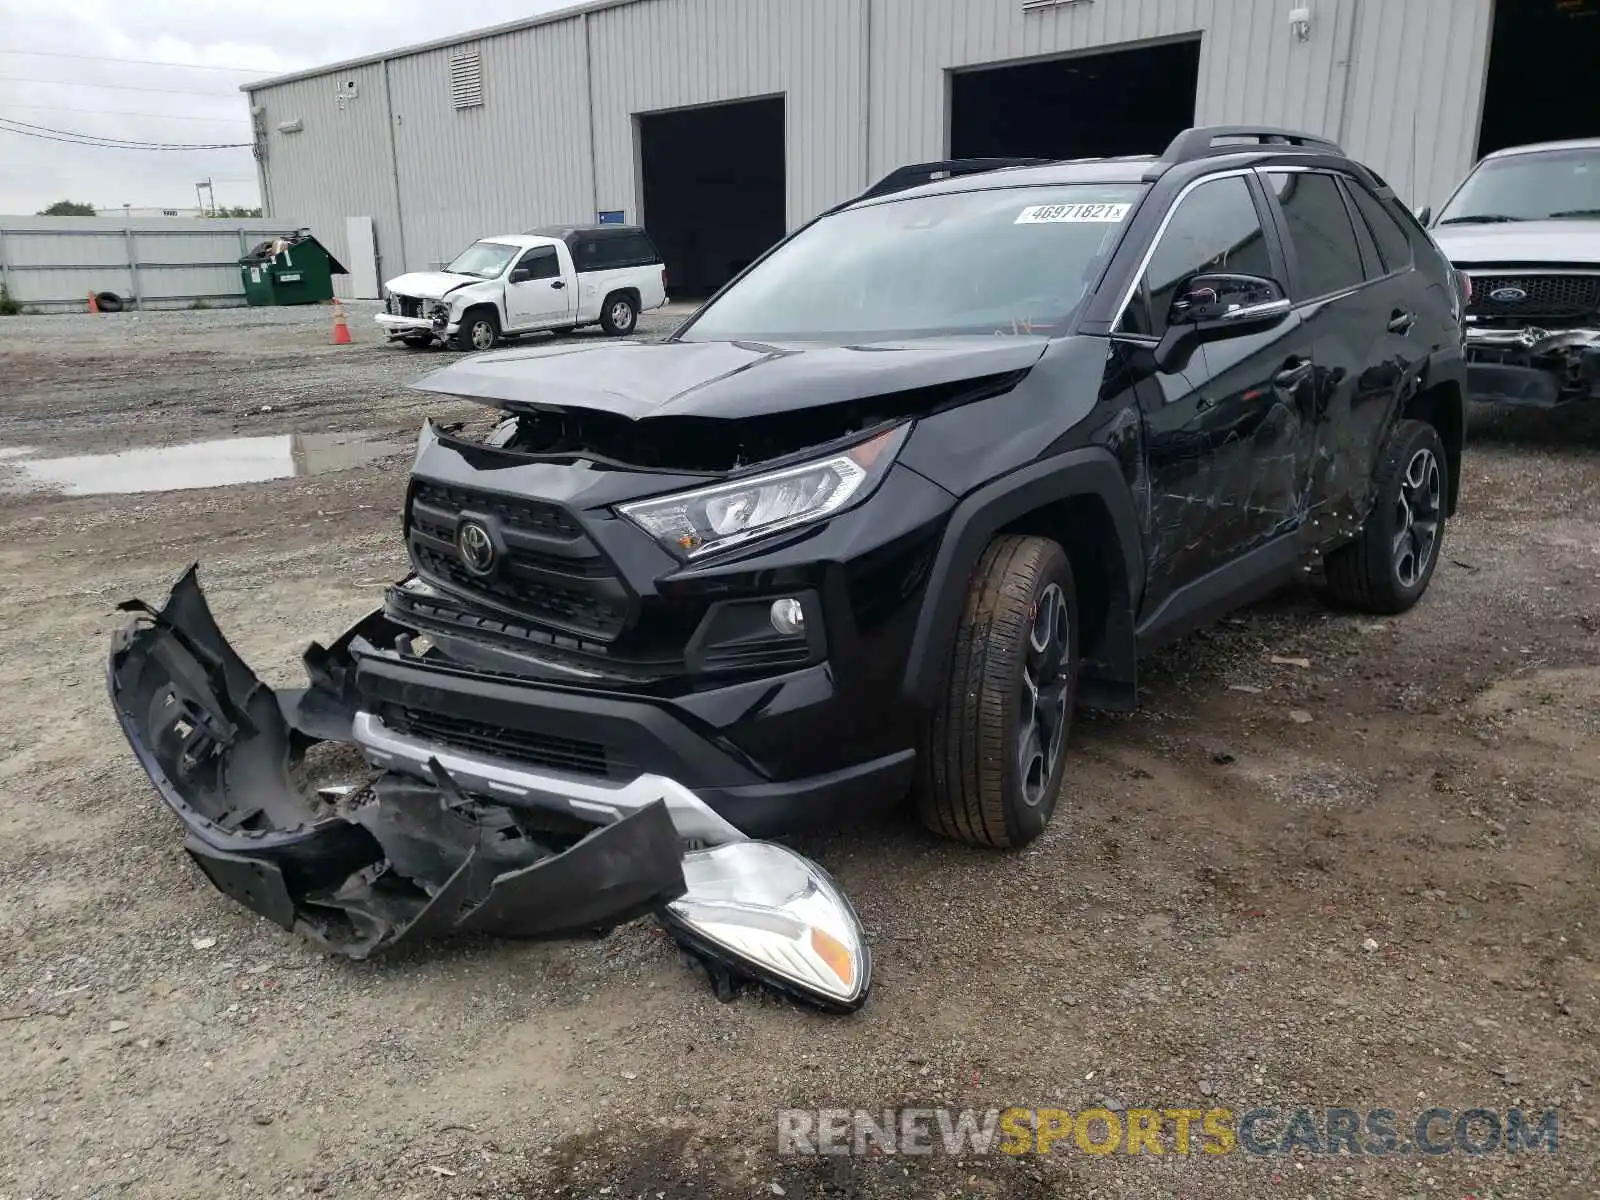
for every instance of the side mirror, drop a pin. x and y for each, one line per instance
(521, 274)
(1424, 215)
(1211, 307)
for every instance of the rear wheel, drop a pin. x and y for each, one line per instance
(619, 314)
(996, 741)
(479, 330)
(1388, 567)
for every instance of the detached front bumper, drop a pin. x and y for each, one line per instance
(441, 841)
(1533, 367)
(359, 867)
(398, 327)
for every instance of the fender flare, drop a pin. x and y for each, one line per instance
(1091, 471)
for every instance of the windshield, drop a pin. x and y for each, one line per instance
(1539, 186)
(1009, 261)
(483, 259)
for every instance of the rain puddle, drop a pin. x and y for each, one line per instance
(195, 465)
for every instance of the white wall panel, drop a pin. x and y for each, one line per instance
(665, 54)
(521, 159)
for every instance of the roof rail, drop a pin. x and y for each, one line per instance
(1200, 143)
(921, 173)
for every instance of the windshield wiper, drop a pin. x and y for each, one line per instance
(1575, 212)
(1479, 219)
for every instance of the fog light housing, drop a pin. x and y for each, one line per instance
(760, 911)
(789, 617)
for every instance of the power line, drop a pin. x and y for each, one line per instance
(117, 87)
(143, 62)
(7, 125)
(116, 112)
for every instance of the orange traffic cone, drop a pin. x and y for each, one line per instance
(94, 305)
(341, 327)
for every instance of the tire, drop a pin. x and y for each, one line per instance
(108, 302)
(418, 341)
(619, 314)
(1389, 565)
(995, 753)
(480, 330)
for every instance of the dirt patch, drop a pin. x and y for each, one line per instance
(1391, 904)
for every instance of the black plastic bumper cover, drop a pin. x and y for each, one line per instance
(393, 859)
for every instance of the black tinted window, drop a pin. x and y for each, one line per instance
(605, 252)
(1320, 229)
(541, 263)
(1214, 228)
(1393, 245)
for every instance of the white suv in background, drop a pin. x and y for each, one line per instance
(558, 278)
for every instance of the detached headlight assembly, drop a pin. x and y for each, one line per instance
(690, 524)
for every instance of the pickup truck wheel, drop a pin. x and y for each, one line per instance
(1388, 567)
(619, 315)
(995, 744)
(479, 330)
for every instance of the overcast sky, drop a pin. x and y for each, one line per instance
(178, 104)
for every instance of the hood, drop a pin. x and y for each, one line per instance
(723, 379)
(1557, 242)
(429, 285)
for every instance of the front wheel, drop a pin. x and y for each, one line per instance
(619, 315)
(1390, 563)
(479, 330)
(995, 745)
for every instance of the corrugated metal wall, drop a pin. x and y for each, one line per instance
(50, 263)
(522, 159)
(339, 165)
(866, 89)
(678, 53)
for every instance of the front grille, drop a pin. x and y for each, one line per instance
(408, 306)
(549, 572)
(1545, 298)
(515, 745)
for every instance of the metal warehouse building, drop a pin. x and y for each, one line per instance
(721, 124)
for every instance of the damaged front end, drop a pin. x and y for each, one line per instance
(387, 855)
(1531, 366)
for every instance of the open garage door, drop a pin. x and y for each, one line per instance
(1544, 60)
(713, 189)
(1131, 101)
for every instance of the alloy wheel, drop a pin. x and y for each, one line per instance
(622, 315)
(482, 335)
(1417, 518)
(1042, 719)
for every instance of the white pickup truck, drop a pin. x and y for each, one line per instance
(559, 278)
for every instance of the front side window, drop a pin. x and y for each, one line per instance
(541, 263)
(998, 261)
(1214, 228)
(486, 260)
(1541, 185)
(1320, 231)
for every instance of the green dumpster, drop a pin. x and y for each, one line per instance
(289, 270)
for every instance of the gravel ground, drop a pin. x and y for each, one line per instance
(1368, 881)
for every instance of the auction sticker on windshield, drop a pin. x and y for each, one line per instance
(1040, 214)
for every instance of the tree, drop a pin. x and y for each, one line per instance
(68, 208)
(225, 211)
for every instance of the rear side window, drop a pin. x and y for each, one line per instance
(1394, 247)
(602, 252)
(1320, 231)
(1214, 228)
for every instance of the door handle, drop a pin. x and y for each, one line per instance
(1292, 377)
(557, 285)
(1401, 322)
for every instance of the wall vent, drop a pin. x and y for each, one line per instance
(466, 81)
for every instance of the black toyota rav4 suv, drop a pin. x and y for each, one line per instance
(939, 467)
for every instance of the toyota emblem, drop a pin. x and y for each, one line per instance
(476, 546)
